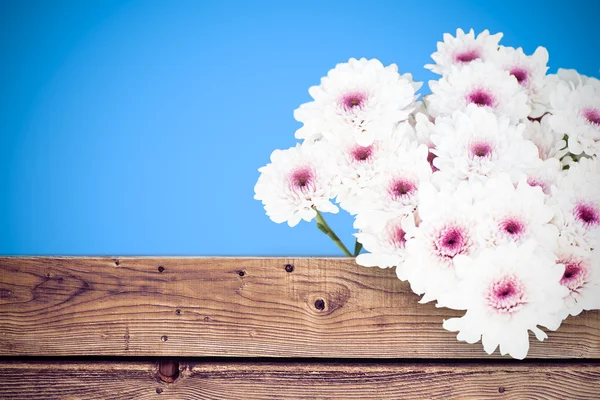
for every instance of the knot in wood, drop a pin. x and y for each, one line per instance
(320, 304)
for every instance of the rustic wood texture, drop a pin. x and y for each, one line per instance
(234, 307)
(258, 381)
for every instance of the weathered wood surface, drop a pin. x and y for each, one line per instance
(258, 381)
(234, 307)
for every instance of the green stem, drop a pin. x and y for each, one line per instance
(326, 229)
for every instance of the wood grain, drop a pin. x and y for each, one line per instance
(234, 307)
(258, 381)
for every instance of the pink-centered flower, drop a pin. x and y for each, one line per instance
(476, 145)
(575, 109)
(577, 203)
(296, 183)
(385, 247)
(507, 291)
(530, 73)
(446, 230)
(463, 49)
(483, 85)
(581, 277)
(509, 214)
(394, 189)
(361, 100)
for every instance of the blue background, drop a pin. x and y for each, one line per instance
(137, 127)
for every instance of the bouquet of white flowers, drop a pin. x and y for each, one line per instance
(485, 196)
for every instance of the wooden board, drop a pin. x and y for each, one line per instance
(234, 307)
(258, 381)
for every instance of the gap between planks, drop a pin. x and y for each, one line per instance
(294, 380)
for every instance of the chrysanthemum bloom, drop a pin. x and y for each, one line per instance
(357, 165)
(546, 176)
(506, 214)
(446, 229)
(577, 199)
(483, 85)
(530, 72)
(394, 191)
(295, 183)
(475, 145)
(463, 49)
(507, 291)
(550, 143)
(582, 278)
(572, 77)
(385, 247)
(360, 99)
(575, 112)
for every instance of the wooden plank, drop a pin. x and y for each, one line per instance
(258, 381)
(245, 307)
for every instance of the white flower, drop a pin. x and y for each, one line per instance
(575, 112)
(530, 72)
(446, 229)
(550, 144)
(484, 85)
(360, 99)
(475, 145)
(357, 165)
(385, 247)
(572, 77)
(577, 199)
(295, 183)
(507, 291)
(582, 278)
(463, 49)
(507, 214)
(394, 190)
(546, 176)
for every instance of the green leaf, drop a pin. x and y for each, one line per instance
(322, 228)
(357, 248)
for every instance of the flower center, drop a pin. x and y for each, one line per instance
(575, 274)
(481, 149)
(506, 295)
(592, 115)
(465, 57)
(481, 98)
(451, 241)
(588, 214)
(401, 188)
(360, 153)
(302, 178)
(397, 237)
(353, 100)
(513, 227)
(521, 74)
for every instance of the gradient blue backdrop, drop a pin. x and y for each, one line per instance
(137, 127)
